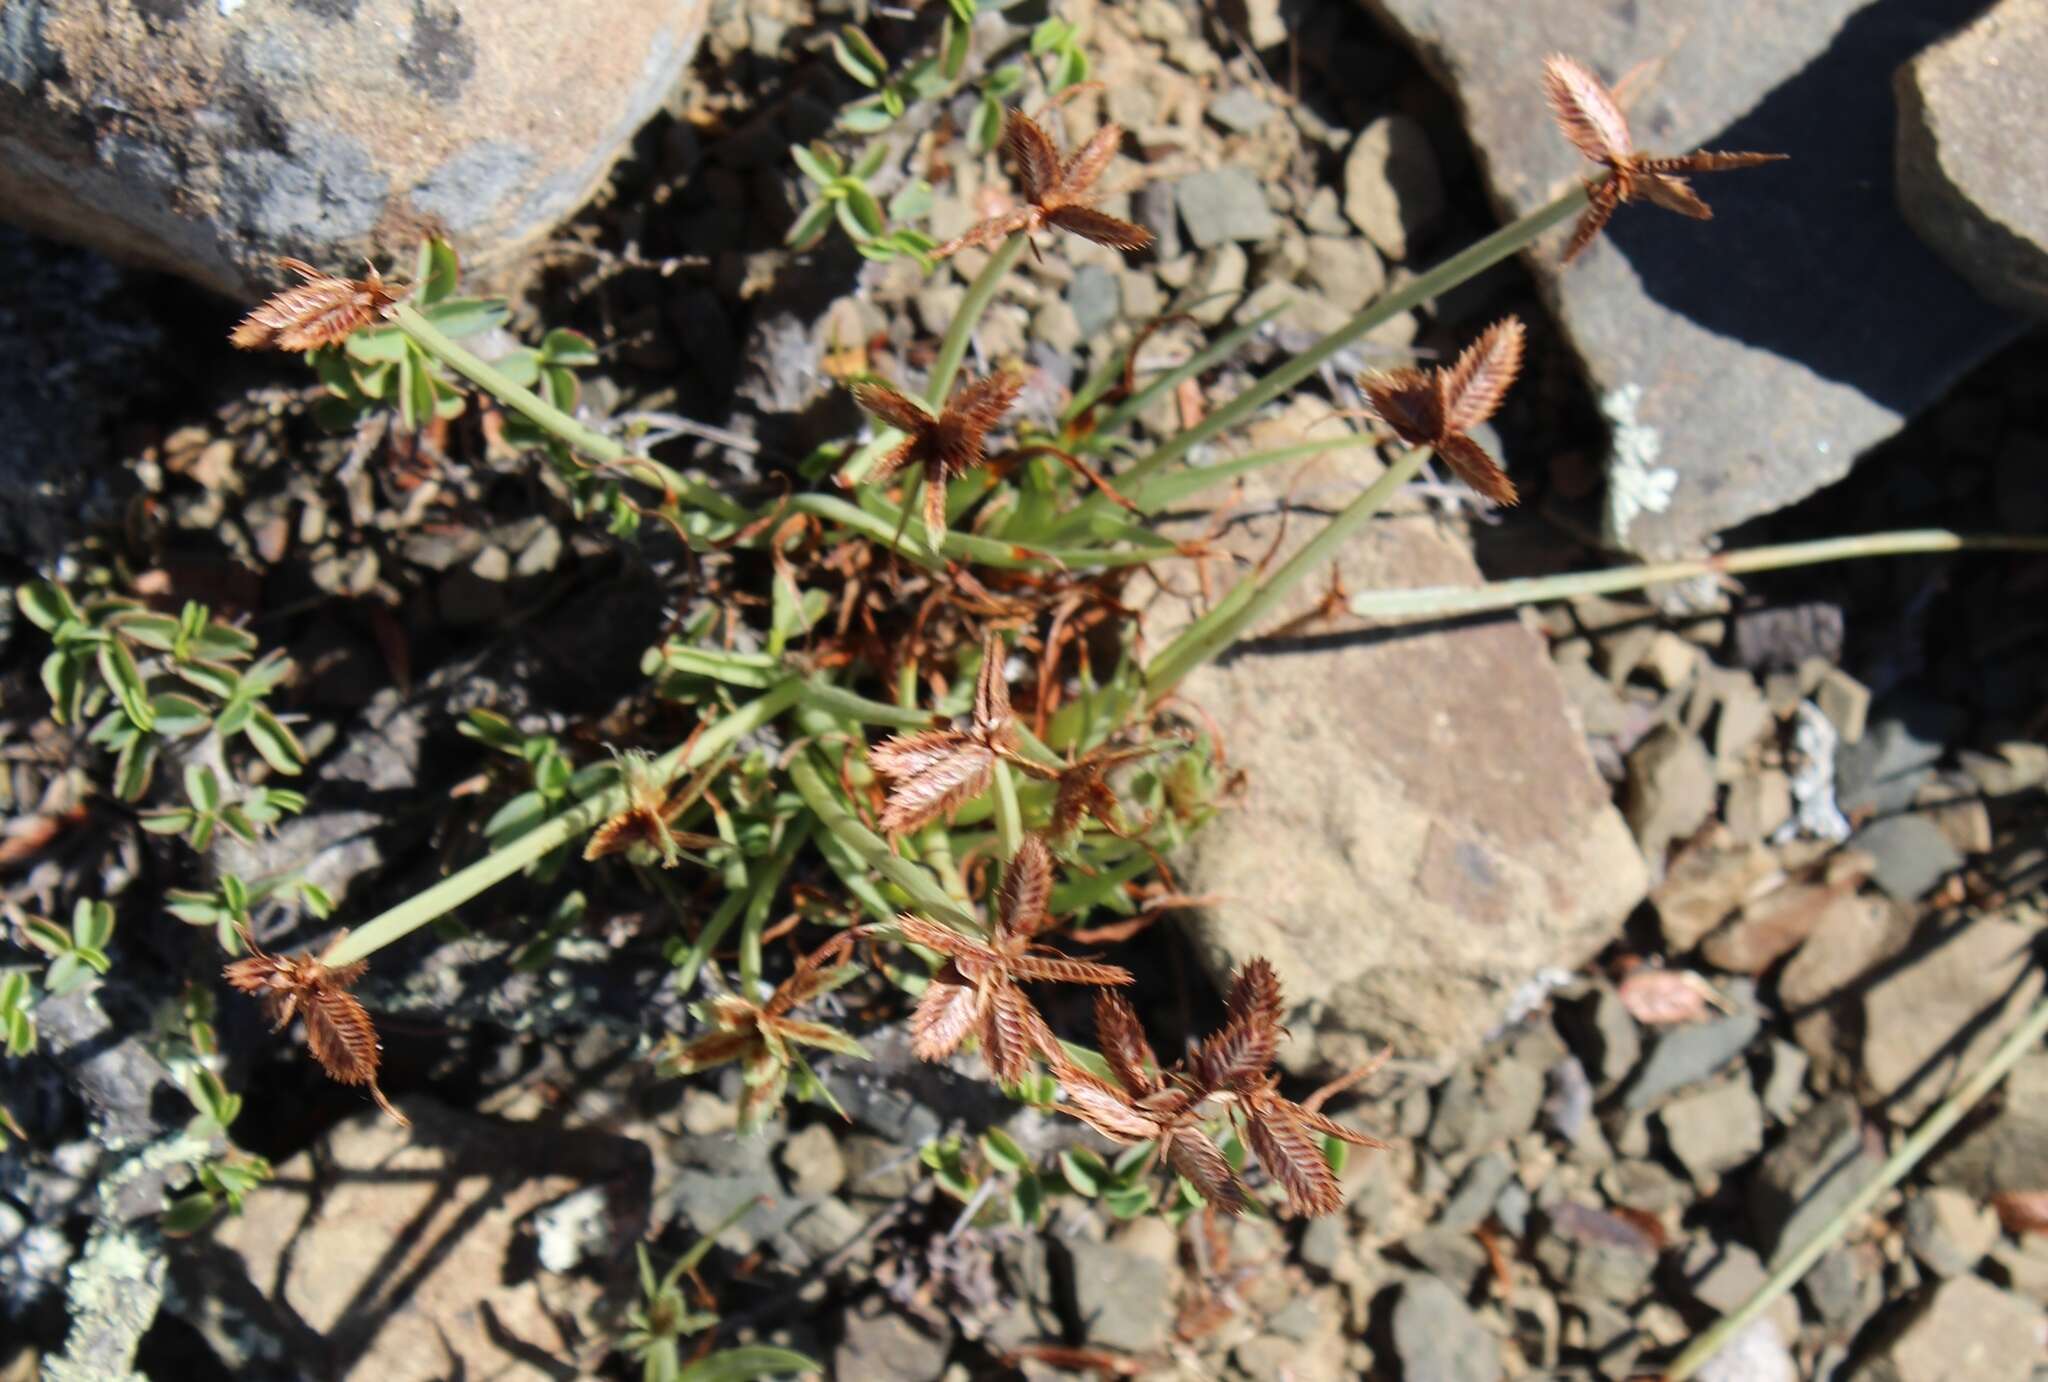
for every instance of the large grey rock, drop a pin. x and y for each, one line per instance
(1746, 363)
(397, 1254)
(1423, 830)
(1930, 1024)
(207, 139)
(1438, 1338)
(1970, 181)
(1965, 1327)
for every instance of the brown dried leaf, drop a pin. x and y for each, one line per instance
(2022, 1211)
(1664, 997)
(322, 311)
(709, 1050)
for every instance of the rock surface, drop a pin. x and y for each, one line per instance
(1970, 113)
(1723, 354)
(395, 1253)
(1966, 1327)
(206, 140)
(1423, 830)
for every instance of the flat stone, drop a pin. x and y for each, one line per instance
(1965, 1327)
(2009, 1150)
(1226, 204)
(393, 1253)
(1772, 926)
(1476, 1191)
(1345, 270)
(1670, 789)
(206, 140)
(1948, 1230)
(1714, 1129)
(1934, 1020)
(1912, 854)
(889, 1345)
(1241, 110)
(1393, 188)
(1707, 883)
(1756, 805)
(1967, 107)
(1846, 703)
(1757, 1353)
(1096, 297)
(1118, 1298)
(1883, 771)
(1687, 1055)
(812, 1159)
(1603, 1033)
(1721, 1276)
(1437, 1337)
(1447, 835)
(1827, 1157)
(1727, 404)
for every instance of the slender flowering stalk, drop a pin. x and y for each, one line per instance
(1058, 192)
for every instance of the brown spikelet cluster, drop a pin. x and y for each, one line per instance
(1587, 113)
(1056, 192)
(936, 771)
(339, 1032)
(945, 447)
(763, 1037)
(1230, 1069)
(322, 311)
(1437, 407)
(647, 818)
(975, 992)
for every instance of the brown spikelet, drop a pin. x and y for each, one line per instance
(1027, 888)
(1292, 1157)
(1108, 1110)
(1590, 118)
(1122, 1039)
(931, 773)
(1058, 969)
(948, 1011)
(945, 447)
(1436, 407)
(1055, 192)
(339, 1032)
(1193, 1155)
(322, 311)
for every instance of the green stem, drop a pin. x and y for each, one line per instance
(1225, 624)
(557, 423)
(760, 896)
(1436, 601)
(960, 331)
(500, 864)
(1909, 1153)
(952, 350)
(924, 890)
(1444, 277)
(1009, 820)
(1165, 490)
